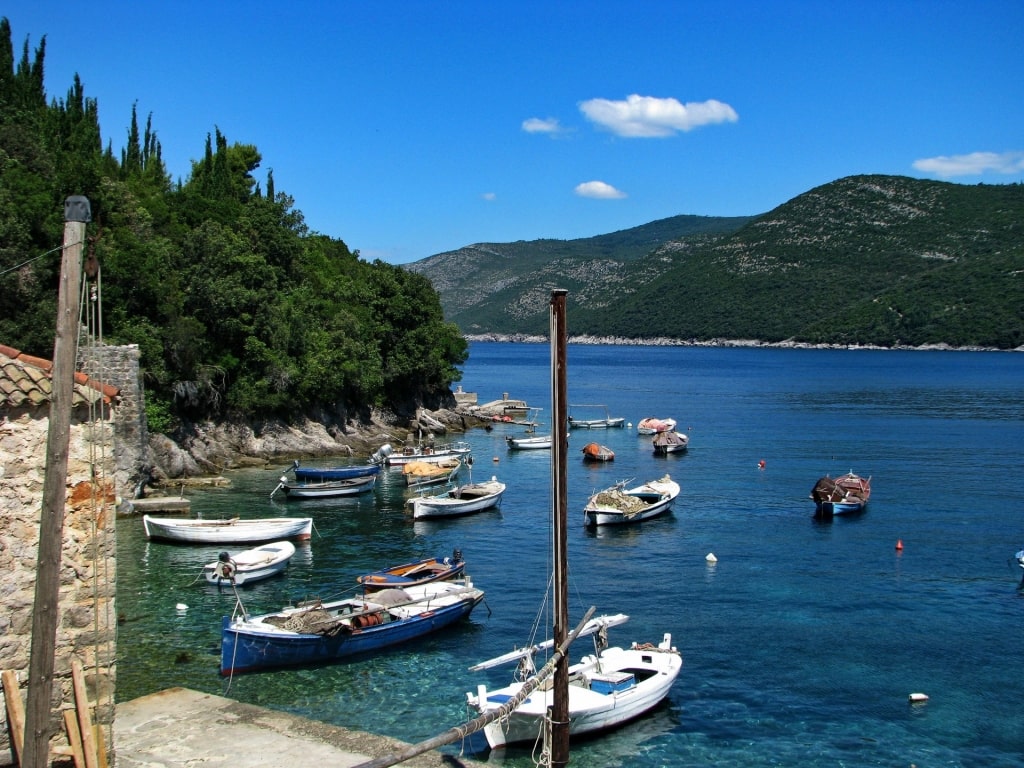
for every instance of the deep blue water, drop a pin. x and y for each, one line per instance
(800, 645)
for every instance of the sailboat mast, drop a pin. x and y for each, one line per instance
(559, 711)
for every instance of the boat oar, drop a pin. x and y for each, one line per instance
(464, 730)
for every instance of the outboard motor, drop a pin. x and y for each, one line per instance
(381, 454)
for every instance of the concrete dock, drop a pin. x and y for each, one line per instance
(182, 728)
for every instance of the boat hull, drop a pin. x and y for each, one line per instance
(596, 423)
(415, 573)
(637, 504)
(528, 443)
(252, 645)
(326, 474)
(331, 488)
(591, 709)
(448, 505)
(251, 565)
(234, 531)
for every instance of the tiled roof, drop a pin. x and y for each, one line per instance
(27, 381)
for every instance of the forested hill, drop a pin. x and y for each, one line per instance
(238, 309)
(883, 260)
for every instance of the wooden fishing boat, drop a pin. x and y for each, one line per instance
(250, 565)
(597, 452)
(606, 422)
(326, 474)
(418, 474)
(606, 689)
(461, 500)
(234, 530)
(387, 455)
(329, 489)
(670, 441)
(652, 425)
(618, 504)
(415, 573)
(322, 632)
(540, 442)
(843, 495)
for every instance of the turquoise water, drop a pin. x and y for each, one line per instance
(800, 645)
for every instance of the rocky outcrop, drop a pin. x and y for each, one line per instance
(212, 447)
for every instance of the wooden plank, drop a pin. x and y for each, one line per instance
(74, 738)
(100, 745)
(84, 716)
(15, 712)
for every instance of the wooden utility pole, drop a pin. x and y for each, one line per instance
(560, 502)
(51, 522)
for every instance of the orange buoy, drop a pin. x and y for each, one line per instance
(899, 544)
(761, 464)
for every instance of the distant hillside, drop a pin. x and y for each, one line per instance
(880, 260)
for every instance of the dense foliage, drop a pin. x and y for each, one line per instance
(236, 306)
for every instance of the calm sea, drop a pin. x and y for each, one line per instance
(801, 644)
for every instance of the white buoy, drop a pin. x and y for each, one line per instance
(181, 607)
(918, 698)
(711, 557)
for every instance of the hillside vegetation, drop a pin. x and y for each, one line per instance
(239, 311)
(882, 260)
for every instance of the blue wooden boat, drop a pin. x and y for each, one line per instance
(322, 632)
(843, 495)
(415, 573)
(326, 474)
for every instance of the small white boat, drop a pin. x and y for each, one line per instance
(606, 688)
(652, 425)
(251, 564)
(670, 441)
(609, 421)
(619, 504)
(387, 456)
(327, 489)
(461, 500)
(234, 530)
(528, 443)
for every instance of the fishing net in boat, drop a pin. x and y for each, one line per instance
(616, 499)
(389, 597)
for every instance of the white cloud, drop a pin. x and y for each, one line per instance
(538, 125)
(598, 190)
(489, 196)
(647, 116)
(973, 164)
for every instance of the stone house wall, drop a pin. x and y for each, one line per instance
(103, 461)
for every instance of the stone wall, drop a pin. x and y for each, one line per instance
(104, 454)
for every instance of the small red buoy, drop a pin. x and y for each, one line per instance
(761, 464)
(899, 545)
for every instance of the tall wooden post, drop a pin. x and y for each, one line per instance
(560, 503)
(51, 522)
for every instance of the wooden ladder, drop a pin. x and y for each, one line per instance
(85, 738)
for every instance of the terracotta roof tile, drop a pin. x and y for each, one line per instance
(25, 379)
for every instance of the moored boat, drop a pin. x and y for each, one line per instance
(534, 442)
(606, 422)
(250, 565)
(652, 425)
(328, 489)
(606, 689)
(843, 495)
(415, 573)
(597, 452)
(619, 504)
(422, 473)
(325, 474)
(234, 530)
(387, 456)
(461, 500)
(323, 632)
(670, 441)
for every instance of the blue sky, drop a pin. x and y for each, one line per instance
(412, 128)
